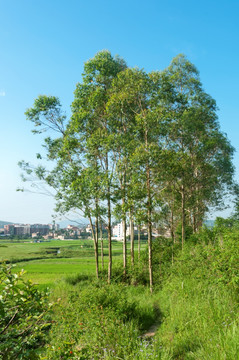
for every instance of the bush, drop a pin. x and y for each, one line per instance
(24, 316)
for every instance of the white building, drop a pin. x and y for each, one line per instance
(88, 228)
(117, 231)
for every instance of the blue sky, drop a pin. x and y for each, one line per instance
(43, 47)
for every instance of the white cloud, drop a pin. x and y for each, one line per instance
(2, 93)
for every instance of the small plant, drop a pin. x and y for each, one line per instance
(24, 316)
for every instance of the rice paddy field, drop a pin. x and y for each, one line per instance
(49, 262)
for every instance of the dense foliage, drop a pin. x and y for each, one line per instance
(24, 316)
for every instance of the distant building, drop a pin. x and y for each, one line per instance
(117, 231)
(9, 229)
(88, 228)
(48, 237)
(54, 226)
(41, 229)
(27, 229)
(22, 230)
(73, 229)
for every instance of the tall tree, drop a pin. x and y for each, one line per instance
(90, 123)
(120, 111)
(133, 97)
(73, 177)
(202, 154)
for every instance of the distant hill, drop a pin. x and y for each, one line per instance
(2, 223)
(78, 222)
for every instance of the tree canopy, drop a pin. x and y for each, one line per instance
(145, 145)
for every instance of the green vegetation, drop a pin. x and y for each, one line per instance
(48, 262)
(144, 146)
(24, 316)
(148, 148)
(26, 250)
(194, 308)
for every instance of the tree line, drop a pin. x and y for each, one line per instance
(140, 147)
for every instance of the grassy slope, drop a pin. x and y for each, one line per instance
(195, 305)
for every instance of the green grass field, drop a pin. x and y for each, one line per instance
(49, 262)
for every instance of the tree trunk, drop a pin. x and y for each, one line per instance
(139, 229)
(149, 205)
(102, 249)
(97, 243)
(109, 242)
(95, 247)
(172, 224)
(172, 231)
(183, 214)
(124, 246)
(109, 224)
(194, 222)
(124, 227)
(131, 236)
(149, 212)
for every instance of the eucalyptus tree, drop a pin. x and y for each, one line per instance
(133, 97)
(82, 150)
(120, 108)
(202, 154)
(73, 177)
(92, 126)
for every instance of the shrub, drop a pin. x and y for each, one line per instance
(24, 316)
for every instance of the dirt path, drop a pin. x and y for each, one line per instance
(158, 320)
(151, 331)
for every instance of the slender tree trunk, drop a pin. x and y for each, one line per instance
(124, 246)
(149, 206)
(196, 211)
(124, 227)
(109, 224)
(139, 229)
(102, 244)
(194, 222)
(149, 212)
(109, 242)
(172, 224)
(172, 230)
(183, 214)
(131, 236)
(97, 241)
(172, 253)
(95, 247)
